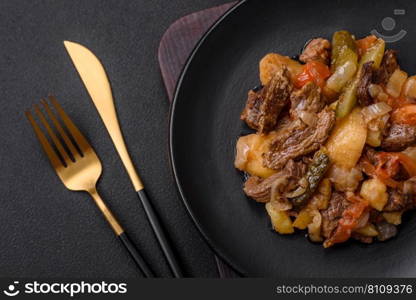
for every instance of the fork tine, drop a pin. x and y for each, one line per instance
(53, 136)
(61, 131)
(76, 134)
(50, 152)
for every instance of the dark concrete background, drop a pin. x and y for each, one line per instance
(46, 230)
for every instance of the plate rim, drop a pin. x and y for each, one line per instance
(181, 194)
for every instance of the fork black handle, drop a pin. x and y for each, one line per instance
(160, 234)
(138, 259)
(119, 231)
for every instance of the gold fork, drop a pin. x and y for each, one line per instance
(77, 165)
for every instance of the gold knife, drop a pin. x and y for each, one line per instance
(98, 86)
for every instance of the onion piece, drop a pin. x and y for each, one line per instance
(409, 88)
(374, 138)
(308, 118)
(375, 130)
(303, 184)
(242, 149)
(383, 97)
(299, 191)
(374, 90)
(363, 220)
(374, 111)
(277, 199)
(314, 228)
(396, 82)
(379, 123)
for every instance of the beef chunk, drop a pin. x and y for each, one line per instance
(363, 95)
(264, 106)
(296, 169)
(286, 127)
(395, 202)
(306, 101)
(318, 49)
(401, 200)
(260, 189)
(375, 216)
(371, 154)
(409, 192)
(386, 231)
(388, 66)
(399, 137)
(251, 113)
(330, 216)
(362, 238)
(298, 140)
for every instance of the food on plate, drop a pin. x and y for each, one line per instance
(264, 106)
(333, 148)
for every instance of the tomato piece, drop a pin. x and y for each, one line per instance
(388, 164)
(364, 44)
(302, 79)
(348, 221)
(397, 102)
(319, 72)
(388, 181)
(313, 71)
(405, 115)
(407, 163)
(367, 167)
(388, 167)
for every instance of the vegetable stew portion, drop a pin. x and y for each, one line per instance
(334, 147)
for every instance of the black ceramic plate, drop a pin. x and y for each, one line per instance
(205, 126)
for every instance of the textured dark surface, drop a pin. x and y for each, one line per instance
(45, 229)
(207, 106)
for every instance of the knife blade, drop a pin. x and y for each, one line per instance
(95, 79)
(98, 86)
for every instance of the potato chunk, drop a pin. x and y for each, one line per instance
(314, 228)
(270, 63)
(347, 140)
(409, 88)
(280, 220)
(394, 217)
(375, 192)
(303, 219)
(249, 158)
(368, 230)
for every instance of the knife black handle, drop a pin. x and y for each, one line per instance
(138, 259)
(160, 234)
